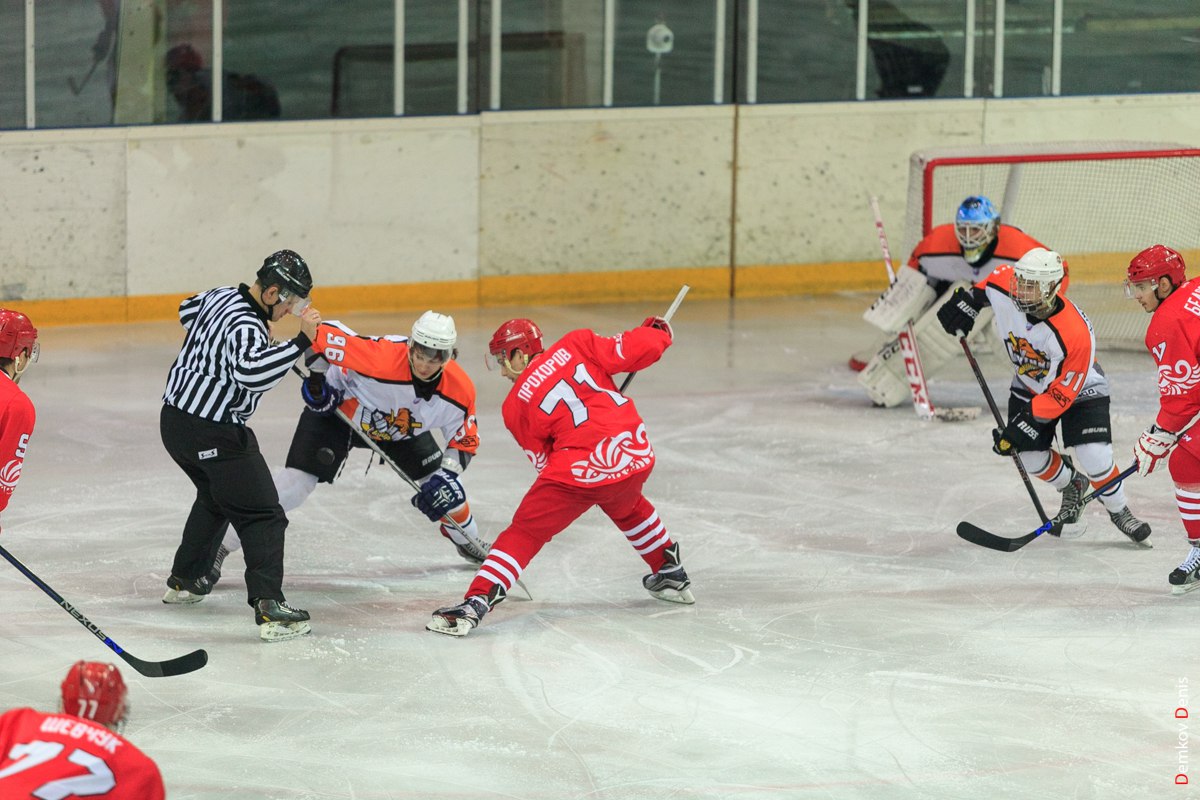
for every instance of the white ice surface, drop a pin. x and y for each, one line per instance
(845, 642)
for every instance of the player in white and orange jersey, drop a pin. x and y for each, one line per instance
(1058, 383)
(18, 349)
(955, 254)
(588, 443)
(1157, 280)
(397, 390)
(78, 752)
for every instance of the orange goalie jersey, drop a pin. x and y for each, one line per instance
(1055, 358)
(382, 397)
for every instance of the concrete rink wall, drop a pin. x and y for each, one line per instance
(844, 644)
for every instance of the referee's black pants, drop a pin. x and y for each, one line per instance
(233, 486)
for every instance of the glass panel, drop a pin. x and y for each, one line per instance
(915, 48)
(280, 55)
(551, 55)
(664, 52)
(806, 51)
(431, 58)
(1118, 47)
(1028, 48)
(12, 64)
(75, 61)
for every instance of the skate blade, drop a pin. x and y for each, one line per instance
(181, 597)
(683, 596)
(451, 626)
(282, 631)
(1144, 544)
(1073, 530)
(1185, 588)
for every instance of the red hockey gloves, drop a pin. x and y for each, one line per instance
(439, 495)
(661, 324)
(958, 314)
(1022, 433)
(318, 395)
(1152, 448)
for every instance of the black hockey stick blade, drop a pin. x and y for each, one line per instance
(977, 535)
(151, 669)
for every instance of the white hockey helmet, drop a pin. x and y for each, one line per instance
(434, 336)
(1035, 280)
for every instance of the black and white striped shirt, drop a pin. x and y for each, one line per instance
(227, 360)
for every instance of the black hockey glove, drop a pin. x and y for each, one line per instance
(439, 495)
(1022, 433)
(958, 314)
(318, 395)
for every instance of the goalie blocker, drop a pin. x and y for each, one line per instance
(884, 378)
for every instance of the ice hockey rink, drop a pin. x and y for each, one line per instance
(845, 643)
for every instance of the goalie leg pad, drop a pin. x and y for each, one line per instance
(884, 377)
(904, 300)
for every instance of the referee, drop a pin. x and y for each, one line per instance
(226, 363)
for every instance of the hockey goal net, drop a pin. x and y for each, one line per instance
(1097, 203)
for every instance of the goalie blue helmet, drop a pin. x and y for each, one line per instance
(975, 226)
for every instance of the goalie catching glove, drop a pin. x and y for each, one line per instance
(1021, 434)
(1152, 448)
(439, 495)
(957, 315)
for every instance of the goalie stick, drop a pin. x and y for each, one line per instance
(976, 535)
(670, 313)
(416, 487)
(913, 371)
(991, 401)
(151, 669)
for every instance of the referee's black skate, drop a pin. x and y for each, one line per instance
(185, 591)
(1186, 576)
(671, 582)
(1137, 531)
(278, 621)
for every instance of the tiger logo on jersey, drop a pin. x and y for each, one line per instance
(1181, 378)
(390, 426)
(1029, 361)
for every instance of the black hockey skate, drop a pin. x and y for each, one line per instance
(185, 591)
(1131, 526)
(214, 572)
(671, 582)
(467, 549)
(460, 619)
(1186, 576)
(1071, 497)
(278, 621)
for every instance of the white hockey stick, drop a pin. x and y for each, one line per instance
(670, 313)
(908, 348)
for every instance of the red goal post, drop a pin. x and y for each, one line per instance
(1097, 203)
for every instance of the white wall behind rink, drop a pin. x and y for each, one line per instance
(160, 210)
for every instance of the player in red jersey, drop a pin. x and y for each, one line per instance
(1156, 279)
(951, 255)
(18, 349)
(1058, 383)
(78, 752)
(590, 448)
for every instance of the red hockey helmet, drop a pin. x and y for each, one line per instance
(95, 691)
(1155, 262)
(516, 334)
(17, 335)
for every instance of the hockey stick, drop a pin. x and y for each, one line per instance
(416, 487)
(913, 369)
(991, 401)
(151, 669)
(977, 535)
(670, 313)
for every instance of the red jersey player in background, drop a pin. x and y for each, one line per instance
(18, 349)
(1058, 382)
(78, 752)
(1156, 279)
(590, 448)
(951, 255)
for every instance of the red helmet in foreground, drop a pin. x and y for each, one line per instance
(1155, 262)
(516, 334)
(95, 691)
(17, 334)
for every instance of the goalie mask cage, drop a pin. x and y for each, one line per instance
(1096, 203)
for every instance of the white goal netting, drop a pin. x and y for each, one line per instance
(1097, 203)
